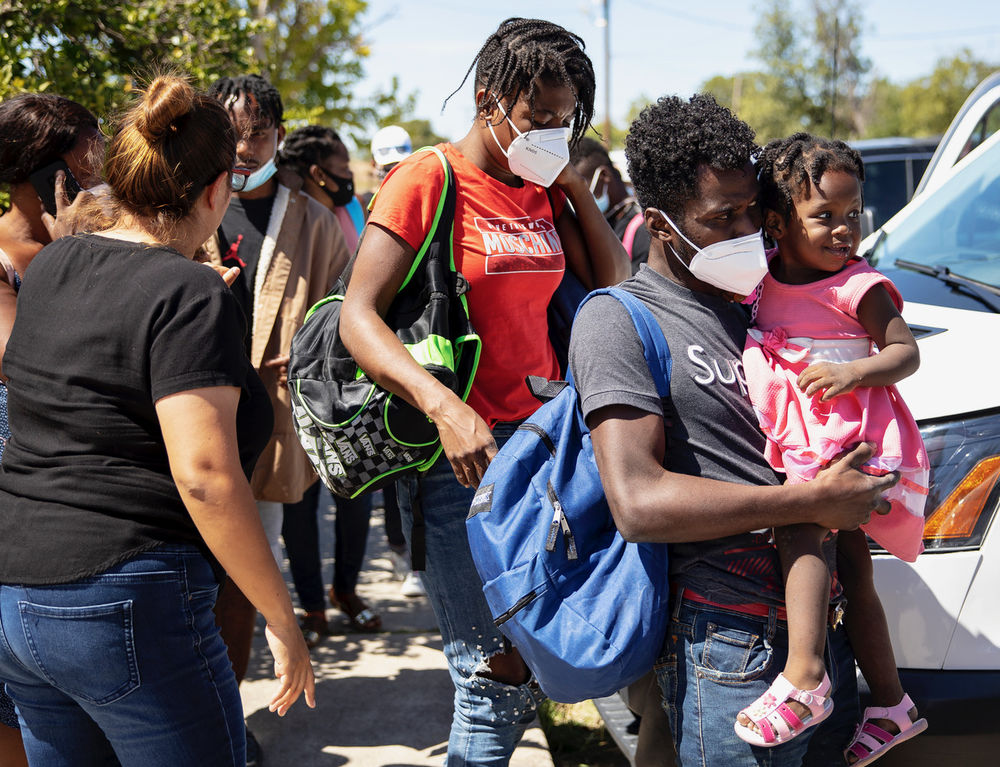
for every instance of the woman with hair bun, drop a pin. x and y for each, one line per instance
(123, 489)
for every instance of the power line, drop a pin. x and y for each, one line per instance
(937, 34)
(690, 17)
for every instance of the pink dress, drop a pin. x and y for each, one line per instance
(798, 325)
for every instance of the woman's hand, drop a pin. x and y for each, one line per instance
(291, 666)
(466, 441)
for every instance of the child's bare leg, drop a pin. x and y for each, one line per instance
(864, 620)
(807, 599)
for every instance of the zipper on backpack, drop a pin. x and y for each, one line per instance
(542, 435)
(559, 520)
(519, 605)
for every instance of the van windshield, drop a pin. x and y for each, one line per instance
(956, 226)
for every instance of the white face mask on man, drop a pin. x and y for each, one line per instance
(736, 266)
(537, 156)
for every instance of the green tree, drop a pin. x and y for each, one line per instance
(757, 99)
(837, 67)
(928, 104)
(93, 51)
(879, 114)
(813, 71)
(313, 52)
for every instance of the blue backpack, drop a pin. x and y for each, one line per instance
(587, 610)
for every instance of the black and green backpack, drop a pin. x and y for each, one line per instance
(357, 435)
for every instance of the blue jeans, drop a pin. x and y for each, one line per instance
(716, 662)
(490, 717)
(127, 664)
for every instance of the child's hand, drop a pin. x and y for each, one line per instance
(830, 378)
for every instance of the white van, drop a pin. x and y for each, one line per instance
(943, 253)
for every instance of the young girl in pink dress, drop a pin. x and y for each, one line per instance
(827, 347)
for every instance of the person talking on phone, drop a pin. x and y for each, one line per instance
(42, 135)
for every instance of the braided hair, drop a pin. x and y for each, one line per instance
(523, 51)
(258, 94)
(307, 146)
(787, 167)
(669, 140)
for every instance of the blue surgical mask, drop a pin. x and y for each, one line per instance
(604, 201)
(260, 176)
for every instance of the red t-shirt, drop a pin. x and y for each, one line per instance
(507, 247)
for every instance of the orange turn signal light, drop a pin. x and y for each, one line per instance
(958, 514)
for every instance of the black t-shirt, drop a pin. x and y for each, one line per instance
(241, 236)
(104, 329)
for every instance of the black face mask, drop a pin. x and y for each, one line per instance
(345, 190)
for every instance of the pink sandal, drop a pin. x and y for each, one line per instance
(776, 722)
(871, 741)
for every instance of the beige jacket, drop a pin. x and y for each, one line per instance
(309, 255)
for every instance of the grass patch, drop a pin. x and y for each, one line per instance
(577, 736)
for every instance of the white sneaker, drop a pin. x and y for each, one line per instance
(412, 586)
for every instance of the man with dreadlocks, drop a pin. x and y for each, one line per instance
(514, 235)
(290, 251)
(689, 470)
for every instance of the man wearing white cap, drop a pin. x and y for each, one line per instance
(390, 145)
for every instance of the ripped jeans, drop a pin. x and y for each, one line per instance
(490, 717)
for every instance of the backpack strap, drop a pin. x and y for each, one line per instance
(654, 344)
(628, 238)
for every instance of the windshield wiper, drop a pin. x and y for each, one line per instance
(986, 293)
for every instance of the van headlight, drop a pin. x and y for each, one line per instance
(964, 490)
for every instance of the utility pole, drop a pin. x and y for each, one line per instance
(605, 21)
(833, 89)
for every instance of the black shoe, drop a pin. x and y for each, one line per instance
(254, 756)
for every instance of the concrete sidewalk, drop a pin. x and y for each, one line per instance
(381, 699)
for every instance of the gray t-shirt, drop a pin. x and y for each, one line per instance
(711, 430)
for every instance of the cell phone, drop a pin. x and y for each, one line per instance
(44, 181)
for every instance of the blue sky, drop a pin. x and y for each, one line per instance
(657, 46)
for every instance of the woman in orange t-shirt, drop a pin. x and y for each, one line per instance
(514, 235)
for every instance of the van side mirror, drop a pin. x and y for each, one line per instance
(867, 222)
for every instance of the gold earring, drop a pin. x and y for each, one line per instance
(322, 183)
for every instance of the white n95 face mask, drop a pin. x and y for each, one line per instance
(736, 266)
(537, 156)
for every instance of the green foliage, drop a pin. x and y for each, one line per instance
(813, 70)
(94, 52)
(312, 50)
(814, 78)
(928, 104)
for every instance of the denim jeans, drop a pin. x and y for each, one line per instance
(490, 717)
(716, 662)
(127, 664)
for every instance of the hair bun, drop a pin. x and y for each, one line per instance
(168, 100)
